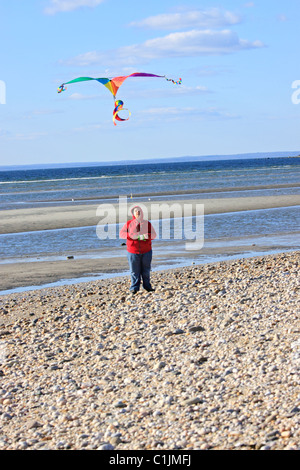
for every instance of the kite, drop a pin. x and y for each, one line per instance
(113, 84)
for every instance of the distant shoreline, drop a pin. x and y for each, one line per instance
(185, 159)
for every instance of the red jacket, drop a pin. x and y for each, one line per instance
(134, 230)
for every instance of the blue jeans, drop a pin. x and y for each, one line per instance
(140, 266)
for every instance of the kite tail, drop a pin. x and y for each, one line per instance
(173, 81)
(118, 107)
(61, 88)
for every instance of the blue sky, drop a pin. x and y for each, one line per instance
(237, 60)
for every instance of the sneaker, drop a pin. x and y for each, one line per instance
(150, 290)
(133, 292)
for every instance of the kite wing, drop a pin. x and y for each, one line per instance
(113, 85)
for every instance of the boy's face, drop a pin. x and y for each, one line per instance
(137, 213)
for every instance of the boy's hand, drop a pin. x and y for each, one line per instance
(143, 237)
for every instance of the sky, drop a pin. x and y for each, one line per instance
(238, 61)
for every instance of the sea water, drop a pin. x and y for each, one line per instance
(237, 177)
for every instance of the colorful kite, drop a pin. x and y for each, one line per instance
(113, 84)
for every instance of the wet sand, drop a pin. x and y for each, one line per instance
(28, 275)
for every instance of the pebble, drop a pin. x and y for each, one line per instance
(210, 360)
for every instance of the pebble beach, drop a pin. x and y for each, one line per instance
(209, 361)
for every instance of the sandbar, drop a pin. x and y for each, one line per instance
(51, 218)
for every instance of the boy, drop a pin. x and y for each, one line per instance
(139, 234)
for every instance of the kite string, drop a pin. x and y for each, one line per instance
(129, 178)
(118, 107)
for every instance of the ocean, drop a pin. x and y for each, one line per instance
(275, 229)
(85, 184)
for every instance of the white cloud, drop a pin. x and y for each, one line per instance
(57, 6)
(180, 44)
(182, 113)
(282, 18)
(212, 18)
(166, 111)
(43, 112)
(29, 136)
(90, 127)
(80, 96)
(4, 133)
(166, 92)
(185, 90)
